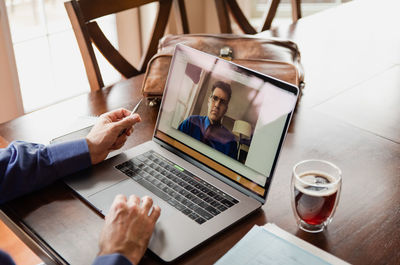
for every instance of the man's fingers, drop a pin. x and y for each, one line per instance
(119, 198)
(119, 142)
(129, 132)
(127, 122)
(128, 230)
(117, 114)
(147, 202)
(133, 200)
(131, 120)
(116, 147)
(118, 203)
(155, 213)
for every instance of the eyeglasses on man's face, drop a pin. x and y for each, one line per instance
(216, 99)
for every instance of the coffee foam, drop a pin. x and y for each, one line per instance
(327, 189)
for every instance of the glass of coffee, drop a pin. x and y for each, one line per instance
(315, 188)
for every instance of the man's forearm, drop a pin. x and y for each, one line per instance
(25, 167)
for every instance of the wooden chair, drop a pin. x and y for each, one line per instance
(226, 6)
(82, 14)
(181, 16)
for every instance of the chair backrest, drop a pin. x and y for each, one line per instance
(181, 15)
(82, 14)
(224, 7)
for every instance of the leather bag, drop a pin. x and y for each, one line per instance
(275, 57)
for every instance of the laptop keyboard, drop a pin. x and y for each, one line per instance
(189, 194)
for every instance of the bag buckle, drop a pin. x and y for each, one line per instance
(226, 53)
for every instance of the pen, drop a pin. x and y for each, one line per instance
(133, 112)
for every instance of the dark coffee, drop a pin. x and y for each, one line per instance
(314, 204)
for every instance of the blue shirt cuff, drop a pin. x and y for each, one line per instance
(70, 157)
(5, 258)
(112, 259)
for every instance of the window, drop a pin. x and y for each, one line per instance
(49, 63)
(255, 9)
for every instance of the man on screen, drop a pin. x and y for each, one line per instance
(209, 129)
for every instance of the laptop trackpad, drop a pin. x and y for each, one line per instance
(102, 200)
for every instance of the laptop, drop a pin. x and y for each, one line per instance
(201, 185)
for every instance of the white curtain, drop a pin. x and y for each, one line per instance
(10, 95)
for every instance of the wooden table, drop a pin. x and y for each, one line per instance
(349, 114)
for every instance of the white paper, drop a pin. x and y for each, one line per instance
(264, 245)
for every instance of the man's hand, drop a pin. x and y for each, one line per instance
(128, 227)
(105, 134)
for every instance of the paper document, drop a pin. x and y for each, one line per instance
(272, 245)
(78, 129)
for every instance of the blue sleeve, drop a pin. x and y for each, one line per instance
(184, 126)
(5, 259)
(25, 167)
(112, 259)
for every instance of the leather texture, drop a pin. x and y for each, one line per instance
(275, 57)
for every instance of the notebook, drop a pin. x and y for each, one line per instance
(270, 244)
(213, 153)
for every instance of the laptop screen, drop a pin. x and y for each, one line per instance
(229, 118)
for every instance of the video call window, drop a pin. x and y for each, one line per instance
(225, 113)
(218, 112)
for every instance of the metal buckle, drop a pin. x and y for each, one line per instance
(226, 53)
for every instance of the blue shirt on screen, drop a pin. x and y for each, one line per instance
(216, 136)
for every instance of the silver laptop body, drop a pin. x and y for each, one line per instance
(262, 103)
